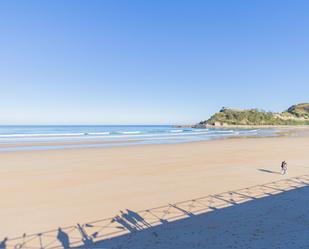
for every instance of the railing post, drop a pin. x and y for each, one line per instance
(87, 240)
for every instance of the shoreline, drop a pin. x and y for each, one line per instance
(62, 143)
(280, 135)
(104, 143)
(79, 145)
(93, 143)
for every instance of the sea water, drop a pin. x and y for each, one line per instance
(110, 135)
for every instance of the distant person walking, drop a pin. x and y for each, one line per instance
(284, 168)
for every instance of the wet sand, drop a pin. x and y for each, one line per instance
(66, 143)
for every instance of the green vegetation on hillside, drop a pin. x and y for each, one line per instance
(295, 115)
(300, 110)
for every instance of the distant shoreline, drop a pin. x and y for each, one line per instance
(45, 138)
(95, 144)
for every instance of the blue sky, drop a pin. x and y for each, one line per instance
(149, 62)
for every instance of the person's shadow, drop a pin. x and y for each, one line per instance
(63, 238)
(268, 171)
(124, 223)
(3, 243)
(131, 220)
(138, 218)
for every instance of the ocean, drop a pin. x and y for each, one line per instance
(40, 137)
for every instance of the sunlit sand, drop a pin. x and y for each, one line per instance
(50, 189)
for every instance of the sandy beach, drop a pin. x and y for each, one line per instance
(43, 190)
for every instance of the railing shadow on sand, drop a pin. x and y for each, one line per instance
(128, 221)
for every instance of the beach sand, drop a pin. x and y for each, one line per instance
(43, 190)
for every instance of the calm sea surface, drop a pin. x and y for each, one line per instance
(110, 135)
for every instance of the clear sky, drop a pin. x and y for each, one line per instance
(149, 62)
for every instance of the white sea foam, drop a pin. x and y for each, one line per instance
(99, 133)
(253, 130)
(180, 134)
(41, 135)
(176, 131)
(225, 131)
(130, 132)
(138, 135)
(197, 130)
(121, 134)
